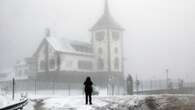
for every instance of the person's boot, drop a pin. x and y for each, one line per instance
(86, 100)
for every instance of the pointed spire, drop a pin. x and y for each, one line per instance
(106, 20)
(106, 8)
(47, 32)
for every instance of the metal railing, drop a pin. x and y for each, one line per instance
(16, 106)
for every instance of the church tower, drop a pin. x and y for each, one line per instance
(107, 40)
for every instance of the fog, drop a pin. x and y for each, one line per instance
(158, 34)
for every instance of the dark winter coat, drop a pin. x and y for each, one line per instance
(88, 86)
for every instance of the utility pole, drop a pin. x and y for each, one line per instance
(167, 78)
(142, 87)
(13, 88)
(36, 71)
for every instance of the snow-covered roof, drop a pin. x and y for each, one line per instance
(60, 44)
(70, 46)
(106, 21)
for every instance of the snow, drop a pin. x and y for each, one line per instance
(118, 102)
(68, 102)
(133, 102)
(6, 100)
(3, 101)
(64, 45)
(71, 102)
(76, 102)
(60, 44)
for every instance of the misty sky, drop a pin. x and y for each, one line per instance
(159, 34)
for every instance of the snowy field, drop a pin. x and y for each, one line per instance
(141, 102)
(133, 102)
(6, 100)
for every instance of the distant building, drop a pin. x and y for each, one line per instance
(21, 69)
(72, 61)
(24, 68)
(69, 61)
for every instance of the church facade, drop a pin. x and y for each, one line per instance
(69, 61)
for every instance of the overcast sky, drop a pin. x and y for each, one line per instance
(159, 34)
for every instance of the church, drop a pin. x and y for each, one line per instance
(68, 61)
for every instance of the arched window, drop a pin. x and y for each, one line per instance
(116, 63)
(52, 63)
(100, 64)
(115, 36)
(115, 50)
(42, 65)
(100, 36)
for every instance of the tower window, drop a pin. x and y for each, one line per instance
(115, 50)
(116, 63)
(100, 64)
(100, 51)
(100, 36)
(115, 36)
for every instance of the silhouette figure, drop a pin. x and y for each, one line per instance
(88, 90)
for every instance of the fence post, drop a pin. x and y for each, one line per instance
(35, 86)
(69, 89)
(13, 88)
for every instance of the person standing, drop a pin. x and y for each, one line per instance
(88, 90)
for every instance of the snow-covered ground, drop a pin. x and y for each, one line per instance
(134, 102)
(3, 101)
(6, 100)
(124, 102)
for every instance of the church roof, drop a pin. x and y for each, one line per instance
(106, 20)
(60, 44)
(64, 45)
(71, 46)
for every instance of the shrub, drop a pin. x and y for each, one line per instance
(151, 103)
